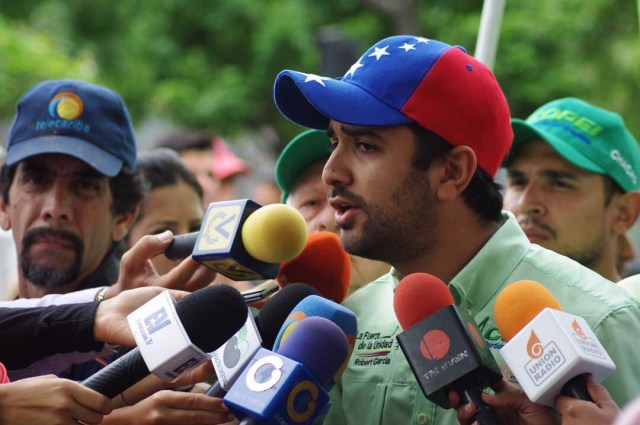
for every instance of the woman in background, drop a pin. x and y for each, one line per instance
(173, 201)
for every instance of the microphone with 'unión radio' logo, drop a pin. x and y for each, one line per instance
(549, 351)
(242, 240)
(443, 345)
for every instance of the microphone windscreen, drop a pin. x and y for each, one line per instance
(212, 315)
(519, 303)
(273, 313)
(323, 264)
(319, 344)
(418, 296)
(274, 233)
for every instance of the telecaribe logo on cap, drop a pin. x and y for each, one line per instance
(65, 108)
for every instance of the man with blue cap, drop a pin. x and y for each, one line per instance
(419, 129)
(69, 186)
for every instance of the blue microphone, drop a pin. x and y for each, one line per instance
(288, 386)
(316, 306)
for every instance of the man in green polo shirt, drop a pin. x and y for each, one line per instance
(419, 129)
(573, 176)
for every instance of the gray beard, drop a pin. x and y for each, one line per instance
(50, 277)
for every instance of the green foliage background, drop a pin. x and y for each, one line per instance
(211, 63)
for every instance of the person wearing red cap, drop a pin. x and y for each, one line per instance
(419, 129)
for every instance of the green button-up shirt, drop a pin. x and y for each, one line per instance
(378, 386)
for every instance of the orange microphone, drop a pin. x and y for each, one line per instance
(548, 351)
(322, 264)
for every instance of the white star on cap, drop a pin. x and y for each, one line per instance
(313, 77)
(380, 52)
(407, 47)
(421, 39)
(353, 68)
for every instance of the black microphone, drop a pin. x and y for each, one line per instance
(210, 316)
(268, 322)
(242, 240)
(443, 346)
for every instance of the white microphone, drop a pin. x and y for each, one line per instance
(549, 351)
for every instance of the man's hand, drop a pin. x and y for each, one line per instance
(152, 384)
(173, 408)
(110, 322)
(511, 404)
(136, 268)
(602, 411)
(52, 401)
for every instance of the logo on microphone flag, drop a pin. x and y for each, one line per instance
(545, 360)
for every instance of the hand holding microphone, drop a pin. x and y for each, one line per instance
(443, 345)
(218, 305)
(243, 241)
(548, 351)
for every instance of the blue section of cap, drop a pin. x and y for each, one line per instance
(372, 93)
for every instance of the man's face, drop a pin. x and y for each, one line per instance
(60, 211)
(559, 206)
(384, 206)
(310, 196)
(200, 163)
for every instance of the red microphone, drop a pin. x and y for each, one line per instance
(443, 345)
(322, 264)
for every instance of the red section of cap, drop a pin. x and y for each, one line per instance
(418, 296)
(461, 101)
(519, 303)
(323, 264)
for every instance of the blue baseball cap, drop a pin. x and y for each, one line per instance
(75, 118)
(402, 80)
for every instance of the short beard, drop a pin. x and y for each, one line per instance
(396, 232)
(50, 277)
(587, 257)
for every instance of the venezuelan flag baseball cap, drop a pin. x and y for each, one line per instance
(304, 149)
(75, 118)
(405, 79)
(587, 136)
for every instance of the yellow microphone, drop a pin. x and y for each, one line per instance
(242, 240)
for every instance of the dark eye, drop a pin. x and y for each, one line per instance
(36, 179)
(365, 147)
(87, 187)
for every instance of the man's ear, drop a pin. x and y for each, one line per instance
(458, 168)
(123, 223)
(627, 209)
(5, 219)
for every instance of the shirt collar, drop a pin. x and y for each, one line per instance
(479, 281)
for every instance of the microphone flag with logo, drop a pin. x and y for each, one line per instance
(242, 240)
(443, 345)
(549, 351)
(288, 386)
